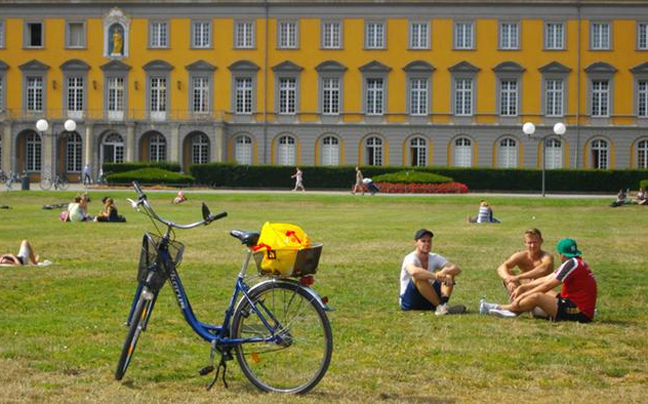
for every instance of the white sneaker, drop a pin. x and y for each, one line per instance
(502, 313)
(485, 307)
(441, 310)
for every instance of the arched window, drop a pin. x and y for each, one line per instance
(374, 147)
(553, 154)
(418, 152)
(507, 153)
(157, 148)
(286, 152)
(330, 151)
(243, 150)
(73, 153)
(600, 154)
(463, 152)
(112, 149)
(33, 154)
(200, 149)
(642, 154)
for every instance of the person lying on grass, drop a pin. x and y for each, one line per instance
(25, 256)
(576, 300)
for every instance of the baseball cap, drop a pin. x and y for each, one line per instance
(568, 248)
(422, 232)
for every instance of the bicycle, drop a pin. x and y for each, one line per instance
(60, 183)
(278, 329)
(10, 179)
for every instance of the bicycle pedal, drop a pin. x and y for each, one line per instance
(206, 370)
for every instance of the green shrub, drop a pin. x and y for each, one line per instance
(643, 184)
(150, 176)
(412, 177)
(113, 168)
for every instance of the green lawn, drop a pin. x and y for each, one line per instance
(61, 327)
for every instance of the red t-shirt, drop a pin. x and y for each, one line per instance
(578, 284)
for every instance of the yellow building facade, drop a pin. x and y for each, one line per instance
(399, 83)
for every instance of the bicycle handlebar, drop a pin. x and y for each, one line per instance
(143, 201)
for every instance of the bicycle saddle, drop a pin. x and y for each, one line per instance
(249, 238)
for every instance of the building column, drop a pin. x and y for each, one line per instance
(48, 142)
(219, 149)
(174, 144)
(130, 142)
(88, 155)
(7, 149)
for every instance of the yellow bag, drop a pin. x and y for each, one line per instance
(278, 246)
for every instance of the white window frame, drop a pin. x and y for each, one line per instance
(35, 93)
(157, 148)
(419, 35)
(2, 92)
(200, 149)
(331, 95)
(554, 35)
(2, 34)
(600, 36)
(117, 142)
(553, 154)
(375, 151)
(600, 152)
(509, 97)
(374, 96)
(642, 154)
(158, 90)
(464, 96)
(116, 97)
(507, 153)
(331, 35)
(600, 98)
(73, 153)
(286, 151)
(75, 95)
(244, 35)
(418, 152)
(642, 35)
(554, 97)
(330, 151)
(419, 96)
(462, 152)
(29, 38)
(244, 95)
(509, 35)
(464, 35)
(159, 34)
(33, 152)
(243, 150)
(201, 34)
(69, 35)
(287, 35)
(287, 95)
(375, 35)
(642, 98)
(200, 97)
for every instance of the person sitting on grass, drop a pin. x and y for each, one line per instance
(641, 198)
(78, 208)
(427, 279)
(533, 263)
(620, 199)
(485, 214)
(576, 300)
(109, 212)
(25, 256)
(179, 198)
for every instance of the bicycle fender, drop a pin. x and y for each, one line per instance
(310, 291)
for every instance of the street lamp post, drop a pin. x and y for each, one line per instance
(42, 125)
(559, 129)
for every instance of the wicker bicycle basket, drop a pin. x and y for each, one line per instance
(288, 262)
(151, 261)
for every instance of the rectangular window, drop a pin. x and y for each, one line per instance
(158, 94)
(600, 33)
(331, 96)
(159, 34)
(642, 36)
(419, 35)
(463, 97)
(75, 35)
(375, 96)
(2, 34)
(508, 97)
(555, 35)
(34, 94)
(200, 96)
(509, 35)
(244, 95)
(34, 35)
(418, 96)
(600, 97)
(464, 35)
(1, 96)
(116, 94)
(201, 37)
(287, 95)
(332, 35)
(642, 101)
(75, 94)
(375, 35)
(244, 35)
(288, 35)
(554, 97)
(73, 154)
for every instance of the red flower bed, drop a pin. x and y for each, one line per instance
(402, 188)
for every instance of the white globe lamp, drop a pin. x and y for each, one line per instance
(70, 125)
(42, 125)
(559, 129)
(528, 128)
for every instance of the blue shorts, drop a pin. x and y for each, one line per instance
(412, 299)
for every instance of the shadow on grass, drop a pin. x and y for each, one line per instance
(336, 397)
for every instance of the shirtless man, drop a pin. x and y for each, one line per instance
(533, 263)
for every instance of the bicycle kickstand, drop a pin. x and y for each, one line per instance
(225, 356)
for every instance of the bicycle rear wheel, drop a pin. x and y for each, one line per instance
(45, 184)
(298, 356)
(63, 185)
(138, 323)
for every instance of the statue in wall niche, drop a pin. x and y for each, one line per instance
(117, 41)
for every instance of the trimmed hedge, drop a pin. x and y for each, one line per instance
(643, 184)
(114, 168)
(412, 177)
(150, 176)
(477, 179)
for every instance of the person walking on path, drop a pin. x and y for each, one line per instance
(298, 176)
(358, 182)
(86, 175)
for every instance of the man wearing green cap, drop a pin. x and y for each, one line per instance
(576, 300)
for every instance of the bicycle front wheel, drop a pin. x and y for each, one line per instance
(45, 184)
(63, 185)
(137, 325)
(296, 350)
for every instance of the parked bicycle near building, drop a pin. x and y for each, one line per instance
(276, 327)
(59, 182)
